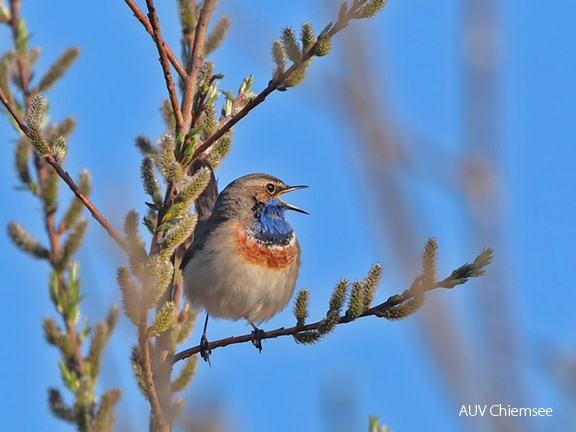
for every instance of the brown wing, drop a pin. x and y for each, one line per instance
(205, 202)
(204, 205)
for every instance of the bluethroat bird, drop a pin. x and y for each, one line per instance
(244, 260)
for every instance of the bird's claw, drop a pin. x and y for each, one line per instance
(205, 350)
(257, 336)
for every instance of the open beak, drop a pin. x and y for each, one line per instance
(290, 206)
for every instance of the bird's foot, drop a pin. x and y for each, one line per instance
(205, 350)
(257, 335)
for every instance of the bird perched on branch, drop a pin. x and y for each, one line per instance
(244, 260)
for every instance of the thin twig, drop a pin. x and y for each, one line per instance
(195, 60)
(378, 311)
(188, 97)
(21, 124)
(161, 46)
(54, 236)
(272, 85)
(67, 179)
(146, 365)
(148, 27)
(87, 203)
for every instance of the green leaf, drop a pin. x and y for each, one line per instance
(149, 224)
(68, 377)
(54, 287)
(72, 311)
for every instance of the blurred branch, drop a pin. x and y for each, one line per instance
(15, 23)
(159, 421)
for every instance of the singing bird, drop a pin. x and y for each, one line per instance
(244, 260)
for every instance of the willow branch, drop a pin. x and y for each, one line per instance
(195, 60)
(161, 46)
(378, 311)
(275, 84)
(146, 365)
(87, 203)
(67, 179)
(148, 27)
(21, 124)
(272, 85)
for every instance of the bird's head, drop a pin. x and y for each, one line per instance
(257, 197)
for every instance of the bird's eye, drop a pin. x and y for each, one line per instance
(270, 187)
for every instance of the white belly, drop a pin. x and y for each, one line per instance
(227, 285)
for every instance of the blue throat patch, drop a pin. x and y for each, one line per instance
(270, 226)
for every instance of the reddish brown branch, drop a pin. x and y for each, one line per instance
(159, 419)
(67, 179)
(21, 124)
(162, 51)
(41, 171)
(195, 61)
(87, 203)
(148, 27)
(272, 85)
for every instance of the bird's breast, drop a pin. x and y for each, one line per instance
(268, 254)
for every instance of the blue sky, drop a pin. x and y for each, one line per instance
(371, 366)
